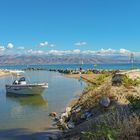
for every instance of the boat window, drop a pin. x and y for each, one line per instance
(22, 79)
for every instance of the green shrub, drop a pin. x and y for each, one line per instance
(102, 131)
(126, 81)
(100, 78)
(89, 88)
(89, 72)
(99, 81)
(134, 102)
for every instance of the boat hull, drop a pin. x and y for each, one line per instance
(25, 89)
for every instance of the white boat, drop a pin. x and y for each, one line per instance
(20, 87)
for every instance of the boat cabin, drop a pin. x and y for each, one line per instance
(21, 81)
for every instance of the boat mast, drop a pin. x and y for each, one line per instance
(132, 59)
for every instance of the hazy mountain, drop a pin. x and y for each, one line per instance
(63, 59)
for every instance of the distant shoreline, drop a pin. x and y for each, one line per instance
(4, 73)
(85, 66)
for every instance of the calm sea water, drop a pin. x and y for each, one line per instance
(74, 66)
(32, 112)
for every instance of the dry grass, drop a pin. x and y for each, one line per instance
(123, 127)
(118, 116)
(129, 128)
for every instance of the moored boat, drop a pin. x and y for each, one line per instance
(20, 87)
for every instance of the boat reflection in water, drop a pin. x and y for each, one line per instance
(36, 100)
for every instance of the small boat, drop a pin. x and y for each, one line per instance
(20, 87)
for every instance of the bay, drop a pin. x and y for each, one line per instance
(32, 112)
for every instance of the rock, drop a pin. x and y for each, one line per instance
(59, 123)
(55, 119)
(83, 116)
(104, 101)
(70, 125)
(53, 114)
(86, 115)
(64, 115)
(117, 78)
(68, 109)
(78, 109)
(62, 125)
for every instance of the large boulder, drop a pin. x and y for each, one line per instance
(117, 79)
(53, 114)
(104, 101)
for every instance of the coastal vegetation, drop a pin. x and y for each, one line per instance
(135, 103)
(106, 110)
(126, 81)
(102, 130)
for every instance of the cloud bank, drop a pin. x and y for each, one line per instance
(2, 48)
(87, 52)
(10, 48)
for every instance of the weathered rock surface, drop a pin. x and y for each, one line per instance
(117, 79)
(53, 114)
(104, 101)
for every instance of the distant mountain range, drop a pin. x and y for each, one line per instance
(63, 59)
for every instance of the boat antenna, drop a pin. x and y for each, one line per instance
(132, 59)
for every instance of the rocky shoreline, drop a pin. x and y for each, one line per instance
(75, 71)
(109, 108)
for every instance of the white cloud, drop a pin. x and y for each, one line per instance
(79, 44)
(89, 52)
(39, 52)
(136, 53)
(63, 52)
(20, 48)
(29, 51)
(10, 46)
(44, 44)
(107, 51)
(83, 43)
(52, 45)
(35, 52)
(124, 51)
(58, 52)
(77, 51)
(2, 48)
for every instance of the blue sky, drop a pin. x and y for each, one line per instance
(69, 25)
